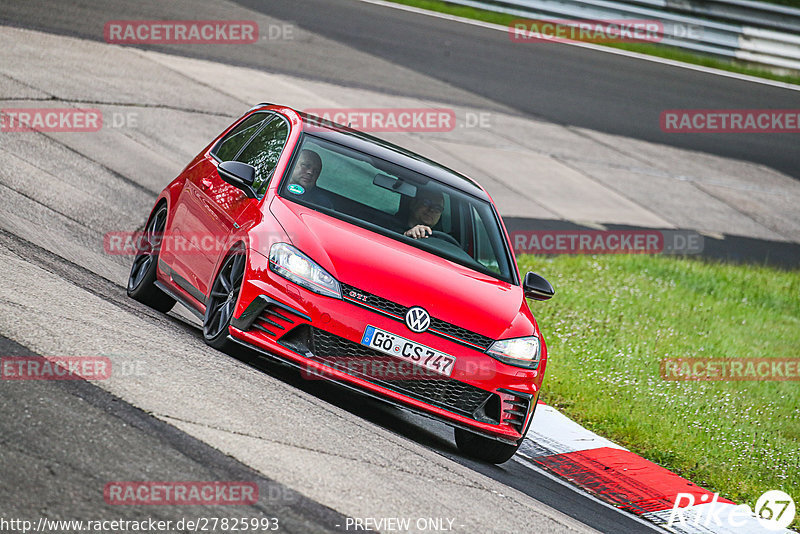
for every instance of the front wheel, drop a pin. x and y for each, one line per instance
(222, 301)
(141, 282)
(483, 448)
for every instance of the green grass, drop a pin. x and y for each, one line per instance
(615, 317)
(653, 49)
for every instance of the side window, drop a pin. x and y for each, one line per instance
(264, 151)
(231, 144)
(446, 220)
(484, 251)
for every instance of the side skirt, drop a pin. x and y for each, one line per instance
(186, 303)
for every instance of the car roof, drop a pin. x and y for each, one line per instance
(374, 146)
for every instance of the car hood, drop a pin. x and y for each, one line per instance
(405, 274)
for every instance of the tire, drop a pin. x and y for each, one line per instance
(222, 301)
(483, 448)
(141, 281)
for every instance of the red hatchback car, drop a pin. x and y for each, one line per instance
(358, 262)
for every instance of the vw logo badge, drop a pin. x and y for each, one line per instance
(417, 319)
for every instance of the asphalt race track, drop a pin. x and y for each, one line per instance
(560, 84)
(179, 410)
(74, 434)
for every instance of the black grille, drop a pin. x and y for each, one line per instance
(268, 315)
(361, 361)
(515, 409)
(461, 333)
(270, 320)
(353, 294)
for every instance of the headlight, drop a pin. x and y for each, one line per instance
(521, 352)
(293, 265)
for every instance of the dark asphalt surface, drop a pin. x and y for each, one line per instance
(439, 437)
(63, 441)
(559, 83)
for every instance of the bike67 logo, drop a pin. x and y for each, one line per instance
(774, 511)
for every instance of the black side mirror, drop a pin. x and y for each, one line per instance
(537, 288)
(239, 175)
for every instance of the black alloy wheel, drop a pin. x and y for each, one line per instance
(222, 301)
(141, 282)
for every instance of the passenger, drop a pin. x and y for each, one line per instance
(424, 213)
(305, 174)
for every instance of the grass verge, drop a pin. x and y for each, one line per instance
(652, 49)
(615, 317)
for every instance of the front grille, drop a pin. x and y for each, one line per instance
(354, 294)
(272, 319)
(398, 311)
(461, 333)
(375, 367)
(515, 408)
(268, 315)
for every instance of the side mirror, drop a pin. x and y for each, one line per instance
(537, 288)
(239, 175)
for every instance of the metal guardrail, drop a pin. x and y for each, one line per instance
(764, 34)
(758, 14)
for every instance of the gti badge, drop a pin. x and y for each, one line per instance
(417, 319)
(357, 296)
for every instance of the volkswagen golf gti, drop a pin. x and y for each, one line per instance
(358, 262)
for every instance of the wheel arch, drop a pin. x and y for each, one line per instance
(238, 243)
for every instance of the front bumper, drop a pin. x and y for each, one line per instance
(320, 335)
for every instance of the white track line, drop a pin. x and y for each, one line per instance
(606, 49)
(552, 432)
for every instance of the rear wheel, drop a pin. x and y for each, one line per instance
(483, 448)
(141, 282)
(222, 301)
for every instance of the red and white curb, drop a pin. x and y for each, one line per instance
(627, 481)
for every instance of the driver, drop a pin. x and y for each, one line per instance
(424, 213)
(305, 175)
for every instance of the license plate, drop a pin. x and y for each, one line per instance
(406, 349)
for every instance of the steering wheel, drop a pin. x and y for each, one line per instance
(445, 237)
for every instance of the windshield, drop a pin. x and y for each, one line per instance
(397, 202)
